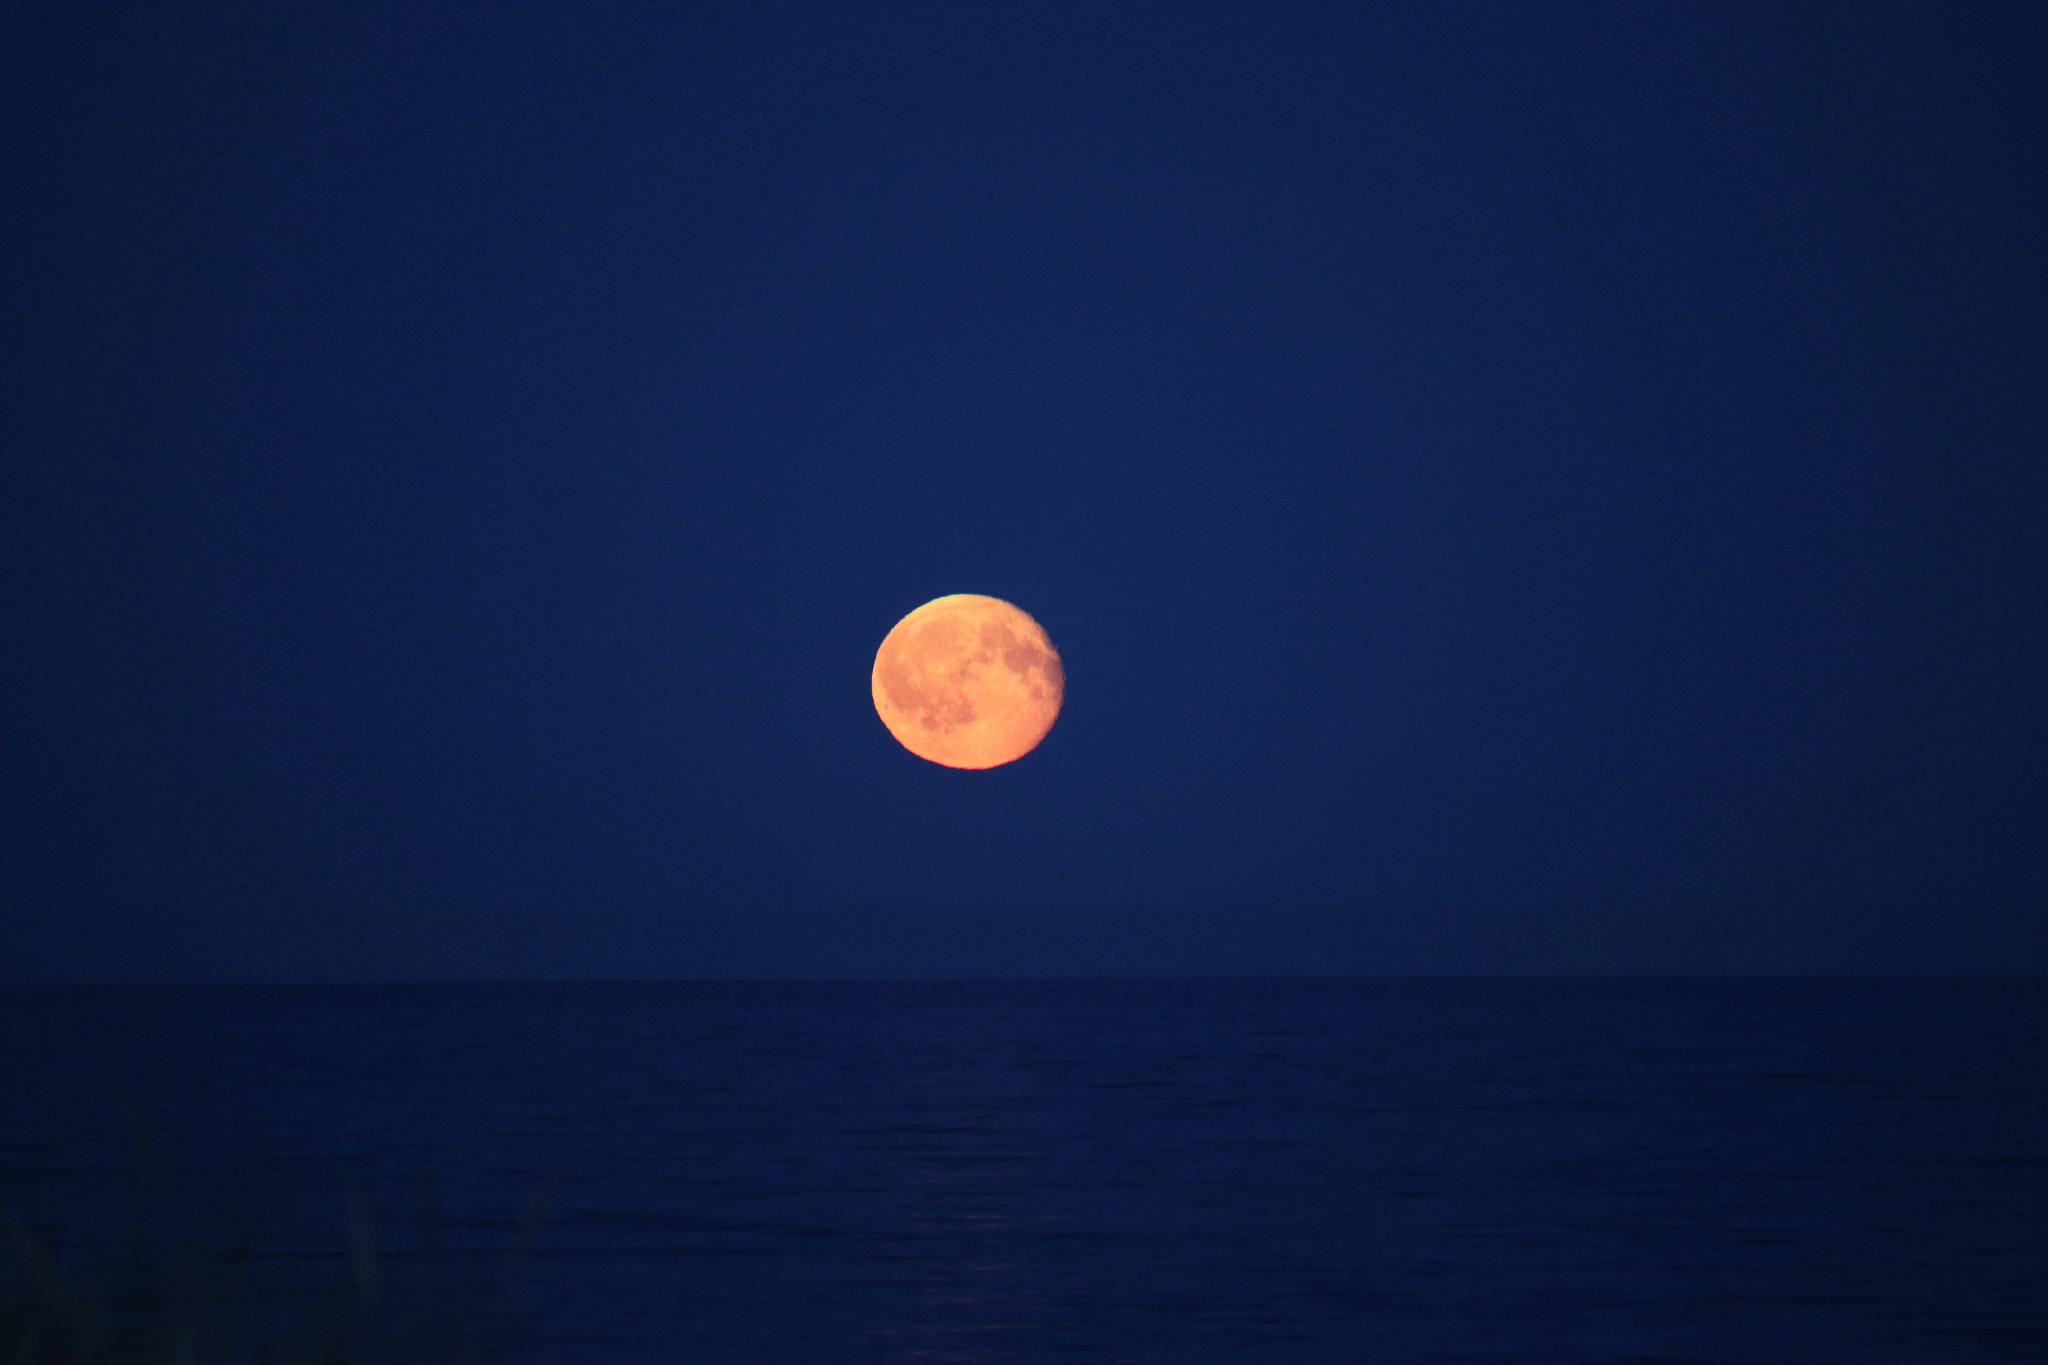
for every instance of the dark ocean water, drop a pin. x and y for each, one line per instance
(1274, 1171)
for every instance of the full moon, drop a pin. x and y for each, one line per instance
(968, 681)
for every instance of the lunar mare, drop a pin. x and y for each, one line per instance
(968, 681)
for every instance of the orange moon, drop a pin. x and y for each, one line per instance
(968, 681)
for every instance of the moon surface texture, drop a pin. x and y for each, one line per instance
(968, 681)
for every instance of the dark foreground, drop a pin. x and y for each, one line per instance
(1173, 1172)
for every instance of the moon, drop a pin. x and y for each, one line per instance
(968, 681)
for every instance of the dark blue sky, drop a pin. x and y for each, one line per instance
(1518, 488)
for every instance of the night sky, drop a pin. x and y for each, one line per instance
(1517, 488)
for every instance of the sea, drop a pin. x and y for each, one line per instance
(1837, 1171)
